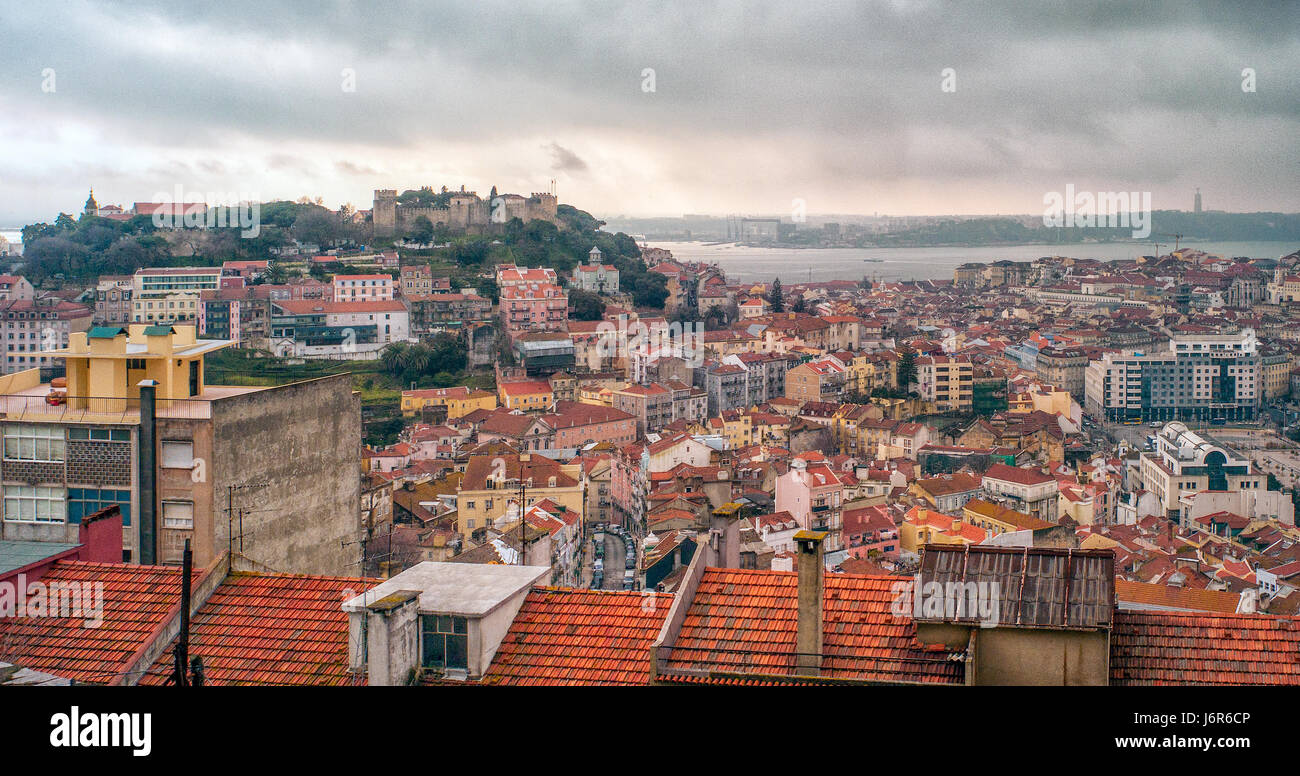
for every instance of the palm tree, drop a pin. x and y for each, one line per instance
(396, 357)
(419, 357)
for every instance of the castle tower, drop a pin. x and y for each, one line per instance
(384, 212)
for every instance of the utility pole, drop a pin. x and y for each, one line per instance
(523, 524)
(181, 654)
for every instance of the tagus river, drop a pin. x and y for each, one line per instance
(796, 265)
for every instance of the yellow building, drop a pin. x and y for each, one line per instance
(459, 401)
(106, 364)
(527, 395)
(1055, 401)
(997, 519)
(492, 482)
(947, 381)
(924, 526)
(734, 426)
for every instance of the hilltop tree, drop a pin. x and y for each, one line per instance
(317, 226)
(421, 231)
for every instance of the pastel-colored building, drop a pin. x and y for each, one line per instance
(363, 288)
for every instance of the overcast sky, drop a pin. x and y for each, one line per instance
(754, 105)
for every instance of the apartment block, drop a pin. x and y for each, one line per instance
(1199, 377)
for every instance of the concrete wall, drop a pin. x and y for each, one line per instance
(1023, 656)
(303, 441)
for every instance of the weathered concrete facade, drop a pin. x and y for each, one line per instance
(302, 441)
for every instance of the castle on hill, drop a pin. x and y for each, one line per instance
(465, 211)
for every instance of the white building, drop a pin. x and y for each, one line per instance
(595, 276)
(1199, 377)
(170, 294)
(363, 288)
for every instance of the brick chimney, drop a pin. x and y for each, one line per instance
(724, 540)
(812, 573)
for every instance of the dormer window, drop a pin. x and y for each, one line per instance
(444, 642)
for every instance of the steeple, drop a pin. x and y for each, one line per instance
(92, 207)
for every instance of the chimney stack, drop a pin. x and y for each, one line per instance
(812, 573)
(724, 539)
(147, 522)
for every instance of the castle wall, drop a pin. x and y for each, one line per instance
(465, 212)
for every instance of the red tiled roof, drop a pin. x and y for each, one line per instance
(136, 600)
(564, 637)
(744, 621)
(1181, 598)
(1180, 648)
(271, 629)
(1000, 471)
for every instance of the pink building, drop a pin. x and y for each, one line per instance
(363, 288)
(870, 529)
(534, 307)
(628, 483)
(578, 424)
(16, 287)
(508, 276)
(812, 492)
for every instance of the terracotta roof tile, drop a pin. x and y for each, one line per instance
(744, 622)
(271, 629)
(562, 637)
(136, 599)
(1179, 648)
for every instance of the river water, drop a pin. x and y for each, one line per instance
(795, 265)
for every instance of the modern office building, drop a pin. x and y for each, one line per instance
(1199, 377)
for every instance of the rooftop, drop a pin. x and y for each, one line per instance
(466, 589)
(565, 636)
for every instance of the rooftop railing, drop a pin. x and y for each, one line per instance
(98, 409)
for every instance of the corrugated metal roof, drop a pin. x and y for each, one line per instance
(1035, 586)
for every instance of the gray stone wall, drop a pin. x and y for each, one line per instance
(302, 442)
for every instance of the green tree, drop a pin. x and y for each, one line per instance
(317, 226)
(421, 231)
(649, 290)
(587, 305)
(776, 297)
(906, 368)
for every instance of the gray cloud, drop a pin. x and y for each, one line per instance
(755, 102)
(564, 160)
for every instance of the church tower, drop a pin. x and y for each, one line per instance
(92, 207)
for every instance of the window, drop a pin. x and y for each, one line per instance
(177, 454)
(100, 434)
(445, 641)
(33, 443)
(84, 502)
(178, 515)
(34, 504)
